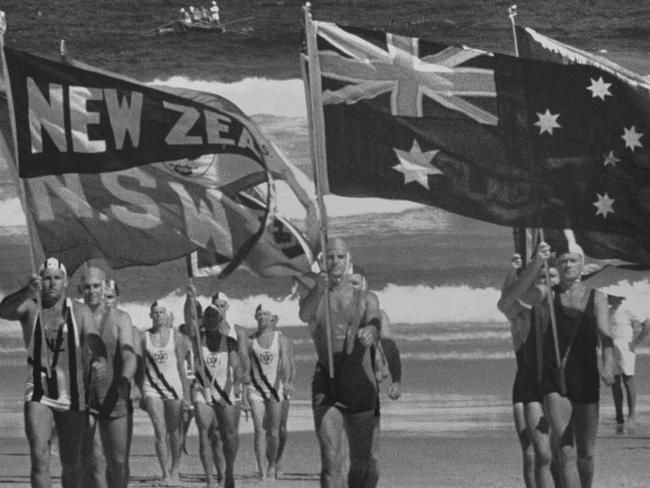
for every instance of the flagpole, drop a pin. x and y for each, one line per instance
(14, 168)
(512, 13)
(318, 153)
(195, 324)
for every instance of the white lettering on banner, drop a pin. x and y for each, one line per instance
(81, 118)
(178, 134)
(203, 221)
(69, 192)
(124, 117)
(246, 141)
(216, 125)
(45, 116)
(149, 217)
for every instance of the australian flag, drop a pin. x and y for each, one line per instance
(506, 140)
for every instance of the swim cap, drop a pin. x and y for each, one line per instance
(53, 263)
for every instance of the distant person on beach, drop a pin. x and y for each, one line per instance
(105, 453)
(185, 17)
(270, 371)
(348, 399)
(623, 323)
(214, 13)
(195, 13)
(64, 347)
(165, 388)
(571, 383)
(286, 402)
(520, 289)
(217, 391)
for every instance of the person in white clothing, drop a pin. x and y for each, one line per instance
(217, 390)
(214, 13)
(165, 388)
(623, 323)
(270, 372)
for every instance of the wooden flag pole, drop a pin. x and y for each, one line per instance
(317, 134)
(14, 168)
(512, 13)
(195, 319)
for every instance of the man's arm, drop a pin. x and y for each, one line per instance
(285, 365)
(601, 310)
(243, 346)
(643, 333)
(22, 306)
(309, 304)
(182, 355)
(371, 322)
(524, 289)
(127, 349)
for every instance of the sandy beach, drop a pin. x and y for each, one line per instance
(423, 461)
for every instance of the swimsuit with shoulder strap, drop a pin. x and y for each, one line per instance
(55, 368)
(578, 342)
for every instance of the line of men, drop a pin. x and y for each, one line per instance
(556, 389)
(86, 358)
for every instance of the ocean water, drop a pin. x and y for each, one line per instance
(438, 275)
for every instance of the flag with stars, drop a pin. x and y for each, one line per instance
(533, 45)
(583, 133)
(567, 147)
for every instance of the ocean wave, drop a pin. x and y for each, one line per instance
(252, 95)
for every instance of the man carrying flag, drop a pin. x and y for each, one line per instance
(347, 396)
(63, 347)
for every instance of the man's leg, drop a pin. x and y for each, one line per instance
(273, 419)
(630, 389)
(373, 475)
(92, 457)
(617, 393)
(526, 443)
(228, 423)
(204, 419)
(560, 411)
(156, 410)
(115, 441)
(539, 431)
(284, 434)
(585, 421)
(360, 428)
(39, 423)
(69, 429)
(329, 430)
(174, 421)
(257, 412)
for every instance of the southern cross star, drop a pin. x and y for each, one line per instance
(416, 165)
(604, 205)
(610, 159)
(599, 89)
(547, 122)
(632, 138)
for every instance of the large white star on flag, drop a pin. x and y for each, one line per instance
(547, 122)
(610, 159)
(632, 138)
(416, 165)
(604, 205)
(599, 89)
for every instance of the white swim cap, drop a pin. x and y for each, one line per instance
(53, 263)
(182, 9)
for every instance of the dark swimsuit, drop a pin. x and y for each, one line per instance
(527, 387)
(581, 370)
(354, 386)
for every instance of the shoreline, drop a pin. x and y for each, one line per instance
(405, 461)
